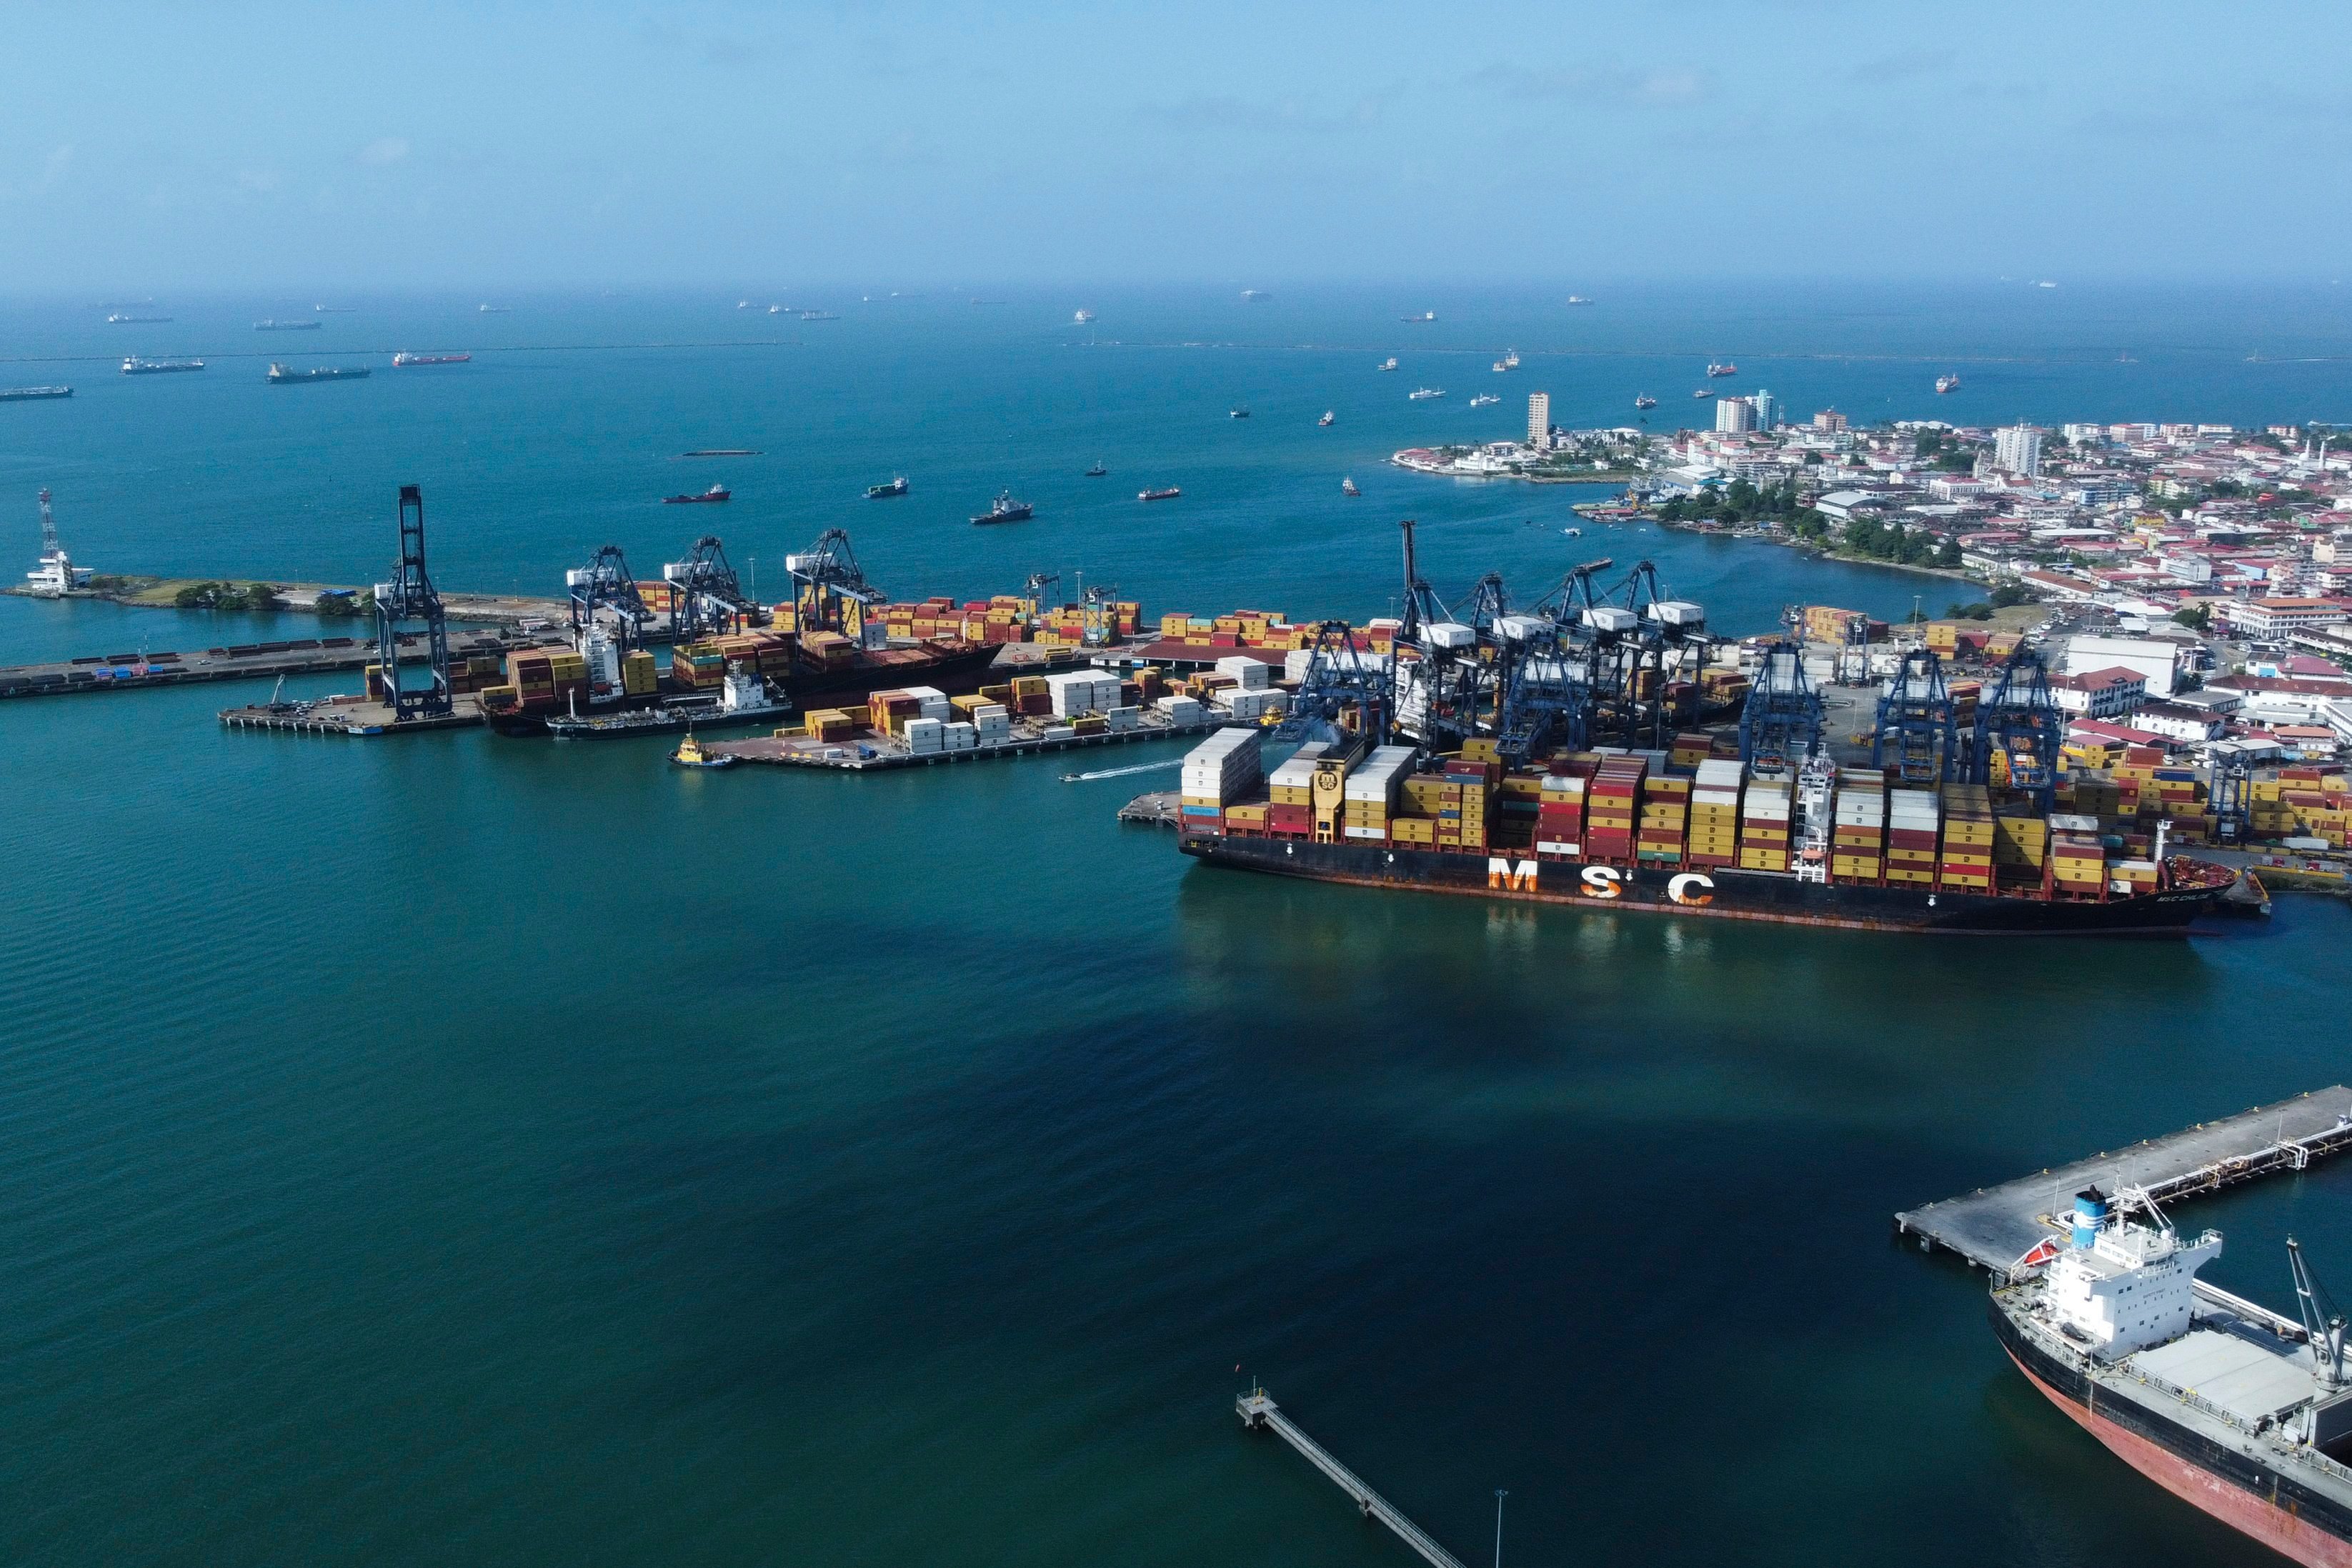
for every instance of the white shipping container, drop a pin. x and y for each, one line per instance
(1450, 634)
(1250, 672)
(991, 713)
(960, 737)
(1123, 718)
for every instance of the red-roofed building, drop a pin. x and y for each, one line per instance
(2110, 692)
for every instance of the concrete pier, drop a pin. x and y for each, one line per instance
(1259, 1413)
(1994, 1227)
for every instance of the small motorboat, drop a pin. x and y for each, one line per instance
(1329, 418)
(689, 753)
(1388, 364)
(1237, 413)
(1348, 488)
(1643, 400)
(716, 492)
(1573, 533)
(1096, 472)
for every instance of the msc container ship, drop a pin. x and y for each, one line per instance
(2235, 1410)
(1832, 847)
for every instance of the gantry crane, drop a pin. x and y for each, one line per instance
(409, 599)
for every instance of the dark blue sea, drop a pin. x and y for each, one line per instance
(458, 1149)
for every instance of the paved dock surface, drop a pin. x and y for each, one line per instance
(240, 662)
(869, 754)
(1995, 1226)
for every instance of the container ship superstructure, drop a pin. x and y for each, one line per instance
(836, 641)
(2236, 1410)
(1553, 755)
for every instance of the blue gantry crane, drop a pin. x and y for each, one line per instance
(710, 597)
(1347, 690)
(605, 583)
(409, 599)
(1780, 726)
(2024, 726)
(1917, 730)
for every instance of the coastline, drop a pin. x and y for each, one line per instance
(1817, 552)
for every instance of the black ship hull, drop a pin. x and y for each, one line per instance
(2267, 1503)
(1715, 892)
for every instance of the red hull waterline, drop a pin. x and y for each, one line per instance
(2239, 1509)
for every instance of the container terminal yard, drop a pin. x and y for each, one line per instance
(1597, 742)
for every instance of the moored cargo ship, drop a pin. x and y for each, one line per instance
(1618, 831)
(1719, 892)
(2240, 1412)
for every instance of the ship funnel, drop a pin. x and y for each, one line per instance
(2090, 1216)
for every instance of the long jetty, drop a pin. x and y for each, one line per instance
(1994, 1227)
(1259, 1413)
(241, 662)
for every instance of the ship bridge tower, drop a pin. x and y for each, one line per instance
(409, 599)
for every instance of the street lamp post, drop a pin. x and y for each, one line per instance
(1499, 1495)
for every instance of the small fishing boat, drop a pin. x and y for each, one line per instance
(1328, 417)
(1348, 488)
(1096, 472)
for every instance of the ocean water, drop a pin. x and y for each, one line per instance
(461, 1149)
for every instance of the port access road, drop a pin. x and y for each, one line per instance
(1995, 1227)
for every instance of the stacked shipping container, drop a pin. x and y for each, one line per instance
(1858, 827)
(1764, 826)
(1915, 821)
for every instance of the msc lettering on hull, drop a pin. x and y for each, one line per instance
(1503, 876)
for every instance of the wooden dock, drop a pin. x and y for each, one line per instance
(1994, 1227)
(1259, 1413)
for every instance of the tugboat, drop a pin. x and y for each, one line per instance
(1348, 488)
(1948, 384)
(689, 753)
(1704, 392)
(1328, 417)
(1096, 472)
(1005, 509)
(715, 494)
(884, 491)
(1170, 494)
(1643, 400)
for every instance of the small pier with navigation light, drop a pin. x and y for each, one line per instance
(1259, 1413)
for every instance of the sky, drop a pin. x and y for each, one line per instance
(422, 145)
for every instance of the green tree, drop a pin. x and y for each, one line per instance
(2009, 594)
(199, 596)
(2197, 617)
(1950, 555)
